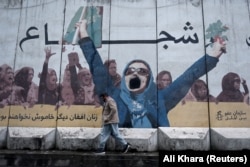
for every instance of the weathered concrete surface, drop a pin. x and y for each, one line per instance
(31, 138)
(88, 138)
(76, 159)
(173, 138)
(230, 138)
(77, 138)
(141, 139)
(3, 137)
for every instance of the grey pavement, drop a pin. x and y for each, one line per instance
(56, 158)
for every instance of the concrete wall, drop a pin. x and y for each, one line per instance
(168, 35)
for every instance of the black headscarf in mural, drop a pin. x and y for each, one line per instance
(229, 93)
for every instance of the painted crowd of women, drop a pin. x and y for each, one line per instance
(77, 86)
(199, 92)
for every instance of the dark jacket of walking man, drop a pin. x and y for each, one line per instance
(110, 122)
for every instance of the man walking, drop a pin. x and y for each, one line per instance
(110, 124)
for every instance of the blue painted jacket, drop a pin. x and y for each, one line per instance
(150, 108)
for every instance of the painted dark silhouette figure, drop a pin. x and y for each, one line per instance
(10, 94)
(231, 89)
(163, 79)
(199, 92)
(81, 82)
(49, 89)
(24, 78)
(111, 65)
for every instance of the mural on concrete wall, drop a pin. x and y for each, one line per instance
(232, 78)
(78, 87)
(7, 56)
(148, 56)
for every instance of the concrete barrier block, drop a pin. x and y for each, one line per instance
(141, 139)
(77, 138)
(31, 138)
(183, 138)
(230, 138)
